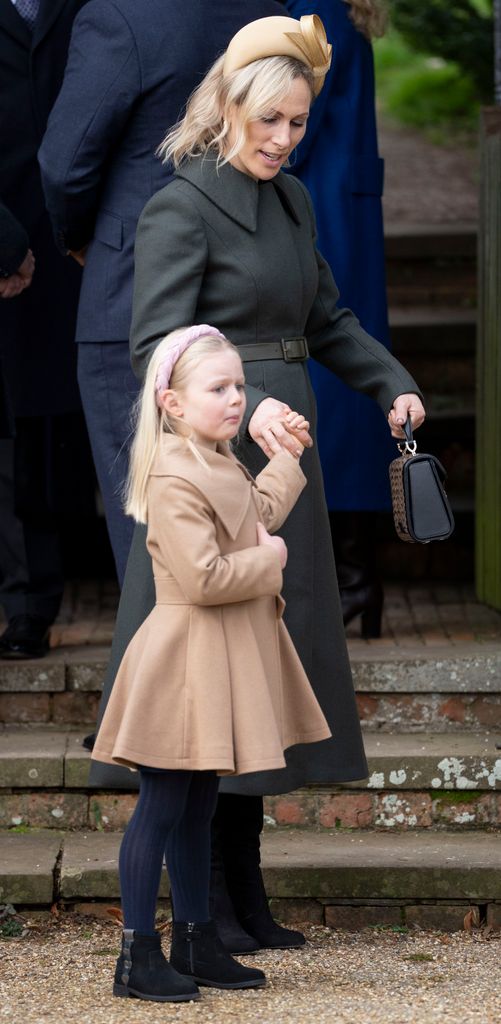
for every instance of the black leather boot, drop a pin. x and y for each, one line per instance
(254, 914)
(241, 821)
(143, 972)
(198, 952)
(359, 587)
(235, 940)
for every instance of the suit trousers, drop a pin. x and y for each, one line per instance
(108, 389)
(31, 571)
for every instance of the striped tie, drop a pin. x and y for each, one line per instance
(28, 9)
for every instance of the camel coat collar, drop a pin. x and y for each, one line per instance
(236, 194)
(223, 480)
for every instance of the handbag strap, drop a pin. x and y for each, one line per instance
(408, 430)
(409, 447)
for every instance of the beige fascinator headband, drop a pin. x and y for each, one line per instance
(282, 37)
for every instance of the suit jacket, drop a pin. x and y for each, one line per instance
(13, 242)
(36, 328)
(131, 68)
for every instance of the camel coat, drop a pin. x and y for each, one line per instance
(211, 680)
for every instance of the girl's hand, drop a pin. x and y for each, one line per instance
(268, 429)
(263, 537)
(297, 425)
(403, 406)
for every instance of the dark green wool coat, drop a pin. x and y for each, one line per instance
(220, 248)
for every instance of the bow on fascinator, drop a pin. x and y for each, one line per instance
(313, 43)
(175, 351)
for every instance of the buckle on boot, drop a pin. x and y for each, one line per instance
(127, 943)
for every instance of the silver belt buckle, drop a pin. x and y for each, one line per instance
(294, 349)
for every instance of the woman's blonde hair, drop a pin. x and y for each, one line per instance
(369, 16)
(254, 91)
(151, 421)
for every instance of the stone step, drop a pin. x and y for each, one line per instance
(431, 241)
(62, 688)
(434, 683)
(415, 781)
(428, 686)
(431, 265)
(433, 330)
(398, 879)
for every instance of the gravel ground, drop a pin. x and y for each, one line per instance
(61, 971)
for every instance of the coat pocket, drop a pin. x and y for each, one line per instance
(109, 229)
(367, 175)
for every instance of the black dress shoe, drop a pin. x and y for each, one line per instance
(26, 636)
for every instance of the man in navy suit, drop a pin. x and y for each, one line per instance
(37, 327)
(131, 68)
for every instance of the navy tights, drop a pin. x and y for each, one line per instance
(172, 819)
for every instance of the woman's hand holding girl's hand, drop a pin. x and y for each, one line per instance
(403, 406)
(268, 427)
(263, 537)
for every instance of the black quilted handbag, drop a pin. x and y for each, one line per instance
(421, 509)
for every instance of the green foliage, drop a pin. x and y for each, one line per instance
(11, 929)
(423, 90)
(432, 94)
(461, 31)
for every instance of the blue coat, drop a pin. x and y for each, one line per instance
(339, 163)
(131, 66)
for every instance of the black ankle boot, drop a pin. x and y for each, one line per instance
(198, 952)
(359, 587)
(253, 912)
(143, 972)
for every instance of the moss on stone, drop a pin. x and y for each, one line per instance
(455, 796)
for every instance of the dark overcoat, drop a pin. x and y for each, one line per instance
(339, 162)
(37, 328)
(240, 254)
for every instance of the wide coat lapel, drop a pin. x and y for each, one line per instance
(236, 193)
(222, 480)
(233, 192)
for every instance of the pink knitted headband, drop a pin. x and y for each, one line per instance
(182, 342)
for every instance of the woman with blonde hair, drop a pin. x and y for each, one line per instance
(231, 241)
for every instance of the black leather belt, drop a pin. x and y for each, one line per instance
(291, 349)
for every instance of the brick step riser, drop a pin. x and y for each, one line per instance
(349, 915)
(429, 712)
(355, 810)
(387, 712)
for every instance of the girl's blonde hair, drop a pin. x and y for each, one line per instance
(151, 421)
(254, 91)
(369, 16)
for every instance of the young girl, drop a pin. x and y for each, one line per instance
(211, 683)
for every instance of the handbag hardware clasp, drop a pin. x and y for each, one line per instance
(407, 447)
